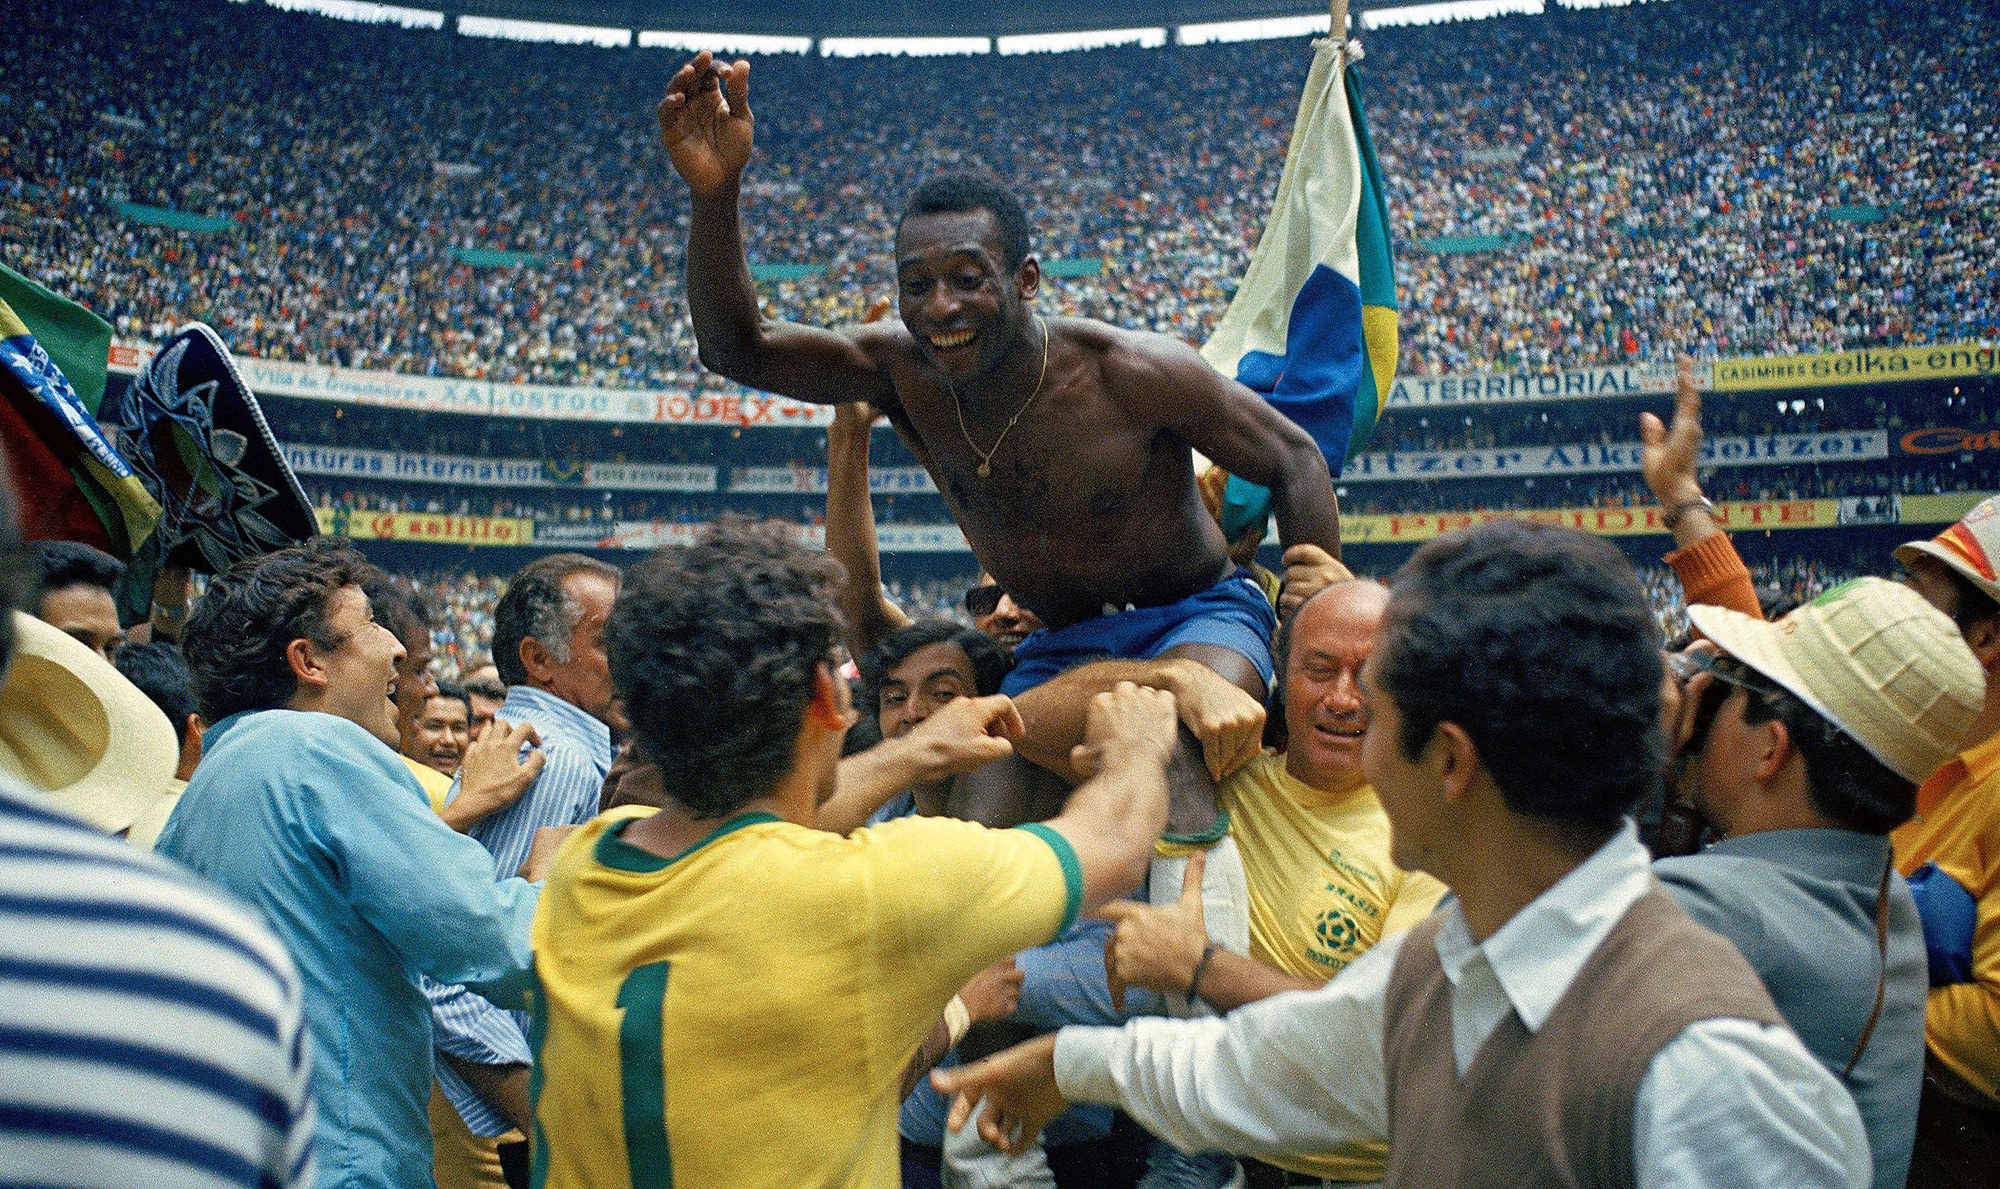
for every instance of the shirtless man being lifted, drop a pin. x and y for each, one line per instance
(1061, 446)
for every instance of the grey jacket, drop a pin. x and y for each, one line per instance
(1801, 906)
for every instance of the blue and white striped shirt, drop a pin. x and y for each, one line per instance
(151, 1030)
(566, 793)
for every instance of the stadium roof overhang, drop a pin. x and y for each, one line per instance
(890, 18)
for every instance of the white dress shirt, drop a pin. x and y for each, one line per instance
(1728, 1102)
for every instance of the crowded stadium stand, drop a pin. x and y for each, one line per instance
(1534, 781)
(451, 266)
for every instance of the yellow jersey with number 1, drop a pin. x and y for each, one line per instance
(740, 1014)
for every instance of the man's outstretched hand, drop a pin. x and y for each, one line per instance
(1668, 456)
(1018, 1087)
(705, 123)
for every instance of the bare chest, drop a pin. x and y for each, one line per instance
(1071, 463)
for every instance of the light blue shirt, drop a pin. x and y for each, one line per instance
(320, 826)
(577, 751)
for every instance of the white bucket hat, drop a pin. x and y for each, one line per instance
(73, 727)
(1873, 658)
(1971, 547)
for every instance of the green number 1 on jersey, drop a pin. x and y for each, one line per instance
(642, 1076)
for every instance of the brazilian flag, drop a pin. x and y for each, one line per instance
(1313, 325)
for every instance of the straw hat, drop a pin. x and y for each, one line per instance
(1970, 547)
(1873, 658)
(74, 728)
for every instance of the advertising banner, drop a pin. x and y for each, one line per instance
(1939, 509)
(740, 407)
(1949, 439)
(1590, 458)
(808, 480)
(1869, 509)
(1356, 529)
(1639, 379)
(443, 394)
(1874, 366)
(493, 472)
(584, 532)
(889, 538)
(1606, 522)
(423, 526)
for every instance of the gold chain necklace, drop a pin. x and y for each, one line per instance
(986, 456)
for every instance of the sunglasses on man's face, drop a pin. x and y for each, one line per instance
(983, 600)
(1729, 673)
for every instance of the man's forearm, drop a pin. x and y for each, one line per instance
(1231, 980)
(867, 780)
(1304, 505)
(850, 536)
(1112, 819)
(722, 299)
(1213, 1085)
(1053, 713)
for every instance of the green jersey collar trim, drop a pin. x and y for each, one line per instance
(616, 853)
(1071, 869)
(1209, 837)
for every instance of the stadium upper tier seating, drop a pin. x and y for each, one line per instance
(1768, 176)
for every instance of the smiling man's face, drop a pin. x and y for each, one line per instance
(361, 669)
(1325, 719)
(958, 298)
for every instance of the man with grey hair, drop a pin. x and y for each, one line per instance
(548, 643)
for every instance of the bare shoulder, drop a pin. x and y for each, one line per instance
(1148, 367)
(886, 342)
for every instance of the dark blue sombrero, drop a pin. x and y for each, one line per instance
(192, 431)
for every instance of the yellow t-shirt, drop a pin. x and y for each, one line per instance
(1322, 886)
(1322, 891)
(740, 1014)
(1957, 826)
(437, 786)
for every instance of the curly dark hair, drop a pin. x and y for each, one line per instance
(952, 193)
(398, 605)
(990, 662)
(536, 607)
(236, 637)
(1538, 642)
(715, 647)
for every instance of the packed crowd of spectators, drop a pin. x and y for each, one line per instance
(1601, 421)
(557, 507)
(565, 505)
(463, 635)
(1664, 175)
(322, 423)
(462, 603)
(1400, 429)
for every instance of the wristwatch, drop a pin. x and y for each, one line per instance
(1672, 516)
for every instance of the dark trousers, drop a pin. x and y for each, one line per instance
(1958, 1135)
(1115, 1162)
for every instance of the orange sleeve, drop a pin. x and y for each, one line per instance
(1712, 572)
